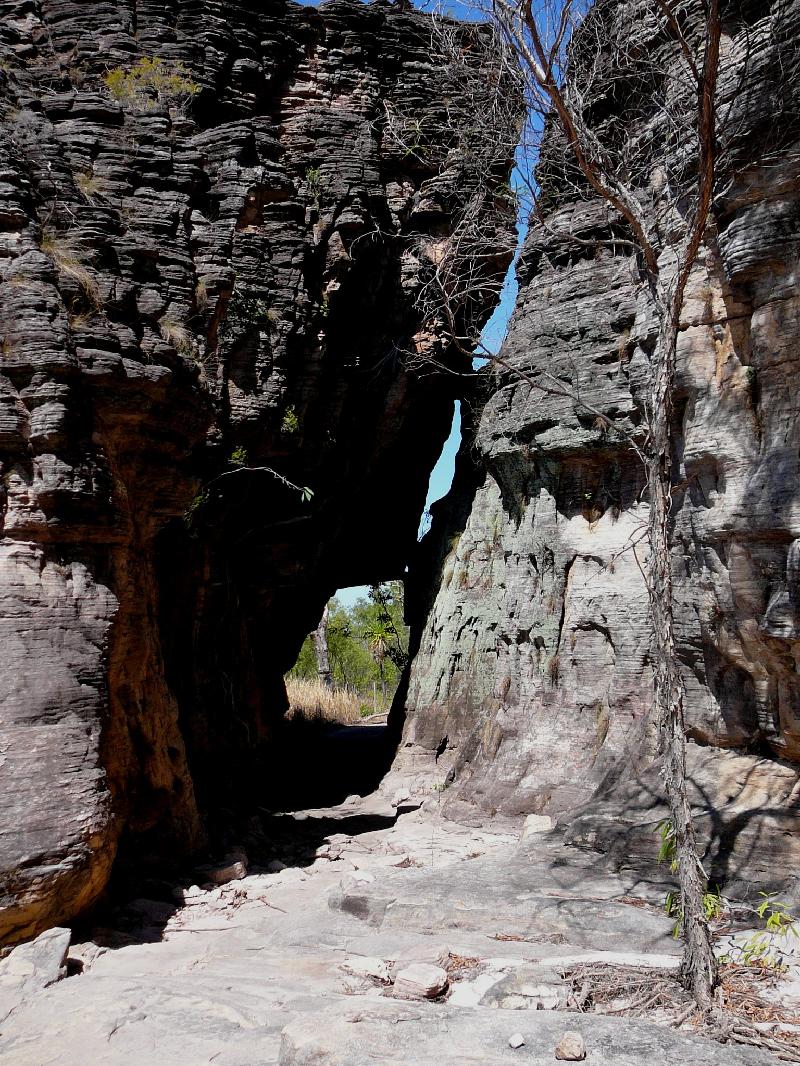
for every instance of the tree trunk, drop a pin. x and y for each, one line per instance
(699, 966)
(321, 650)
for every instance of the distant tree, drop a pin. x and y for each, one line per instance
(378, 635)
(364, 644)
(320, 639)
(389, 599)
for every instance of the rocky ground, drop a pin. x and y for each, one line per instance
(377, 932)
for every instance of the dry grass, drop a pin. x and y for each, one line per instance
(68, 253)
(177, 335)
(91, 185)
(743, 1015)
(315, 702)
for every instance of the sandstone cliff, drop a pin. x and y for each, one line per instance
(208, 260)
(532, 687)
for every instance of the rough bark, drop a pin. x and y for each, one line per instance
(698, 967)
(321, 650)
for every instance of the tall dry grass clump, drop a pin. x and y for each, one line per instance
(315, 702)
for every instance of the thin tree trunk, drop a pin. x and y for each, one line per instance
(321, 650)
(699, 966)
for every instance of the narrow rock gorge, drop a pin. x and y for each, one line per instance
(211, 251)
(224, 384)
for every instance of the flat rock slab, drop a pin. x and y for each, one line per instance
(374, 1035)
(523, 893)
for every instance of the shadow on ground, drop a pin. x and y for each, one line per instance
(319, 767)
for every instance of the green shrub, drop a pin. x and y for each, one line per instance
(668, 849)
(290, 423)
(314, 184)
(245, 312)
(150, 80)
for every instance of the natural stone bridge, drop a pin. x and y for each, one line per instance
(212, 281)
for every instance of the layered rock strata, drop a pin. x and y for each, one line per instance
(209, 257)
(532, 688)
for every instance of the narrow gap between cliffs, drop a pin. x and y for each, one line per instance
(341, 688)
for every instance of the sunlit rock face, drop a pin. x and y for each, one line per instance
(208, 263)
(532, 687)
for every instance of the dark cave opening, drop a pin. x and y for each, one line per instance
(239, 592)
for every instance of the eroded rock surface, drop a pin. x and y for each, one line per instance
(206, 278)
(532, 687)
(274, 969)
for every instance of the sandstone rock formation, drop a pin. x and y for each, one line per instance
(209, 257)
(532, 688)
(208, 261)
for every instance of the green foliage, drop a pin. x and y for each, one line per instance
(192, 512)
(290, 422)
(239, 456)
(314, 183)
(763, 948)
(674, 910)
(668, 849)
(714, 907)
(245, 312)
(775, 915)
(151, 80)
(363, 640)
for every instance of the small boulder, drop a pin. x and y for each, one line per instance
(571, 1047)
(31, 967)
(420, 980)
(437, 954)
(516, 1040)
(189, 897)
(40, 962)
(232, 868)
(536, 823)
